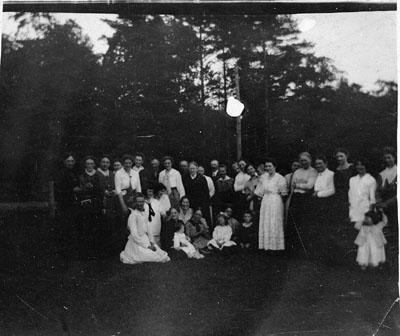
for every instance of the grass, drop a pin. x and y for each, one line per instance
(244, 294)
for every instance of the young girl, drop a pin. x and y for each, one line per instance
(222, 235)
(370, 240)
(182, 242)
(247, 231)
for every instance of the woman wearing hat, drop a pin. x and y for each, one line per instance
(172, 179)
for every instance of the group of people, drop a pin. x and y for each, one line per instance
(170, 212)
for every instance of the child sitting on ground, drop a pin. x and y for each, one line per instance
(182, 242)
(233, 223)
(370, 240)
(222, 235)
(247, 231)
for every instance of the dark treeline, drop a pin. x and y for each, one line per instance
(161, 89)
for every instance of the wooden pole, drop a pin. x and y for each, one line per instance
(238, 119)
(52, 200)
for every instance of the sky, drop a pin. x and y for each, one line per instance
(361, 44)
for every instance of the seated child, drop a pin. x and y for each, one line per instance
(182, 242)
(233, 223)
(222, 235)
(247, 232)
(370, 240)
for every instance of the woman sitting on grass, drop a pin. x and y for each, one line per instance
(197, 230)
(222, 235)
(182, 242)
(140, 246)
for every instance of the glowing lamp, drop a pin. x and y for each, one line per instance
(234, 107)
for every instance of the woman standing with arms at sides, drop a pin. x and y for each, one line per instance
(127, 180)
(271, 188)
(343, 173)
(387, 188)
(300, 206)
(185, 211)
(361, 193)
(91, 207)
(67, 188)
(250, 187)
(172, 179)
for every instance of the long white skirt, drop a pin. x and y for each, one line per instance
(271, 235)
(135, 253)
(370, 254)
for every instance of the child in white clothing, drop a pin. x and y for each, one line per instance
(222, 235)
(182, 242)
(371, 240)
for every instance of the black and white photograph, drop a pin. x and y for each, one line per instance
(198, 168)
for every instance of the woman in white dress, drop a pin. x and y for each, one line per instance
(361, 193)
(172, 180)
(271, 188)
(140, 246)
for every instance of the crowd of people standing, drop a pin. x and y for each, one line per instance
(168, 212)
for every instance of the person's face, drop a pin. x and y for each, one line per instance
(198, 214)
(89, 164)
(360, 168)
(242, 165)
(247, 218)
(368, 220)
(69, 162)
(185, 204)
(174, 214)
(161, 193)
(138, 161)
(304, 162)
(117, 165)
(341, 158)
(128, 164)
(221, 220)
(269, 168)
(140, 203)
(251, 171)
(167, 164)
(105, 163)
(222, 172)
(150, 193)
(261, 169)
(183, 165)
(214, 165)
(320, 165)
(389, 160)
(295, 166)
(193, 169)
(201, 170)
(155, 164)
(228, 212)
(236, 168)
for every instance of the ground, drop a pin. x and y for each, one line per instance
(255, 293)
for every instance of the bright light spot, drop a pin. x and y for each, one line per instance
(306, 24)
(234, 107)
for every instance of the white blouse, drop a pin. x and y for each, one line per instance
(304, 179)
(124, 180)
(172, 179)
(139, 228)
(240, 181)
(324, 186)
(361, 196)
(389, 175)
(210, 184)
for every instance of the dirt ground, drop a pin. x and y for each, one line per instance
(253, 293)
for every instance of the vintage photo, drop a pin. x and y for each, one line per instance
(198, 168)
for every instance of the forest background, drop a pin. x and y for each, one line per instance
(161, 88)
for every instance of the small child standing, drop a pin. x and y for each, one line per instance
(371, 240)
(247, 231)
(182, 242)
(222, 235)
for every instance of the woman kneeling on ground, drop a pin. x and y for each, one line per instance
(140, 246)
